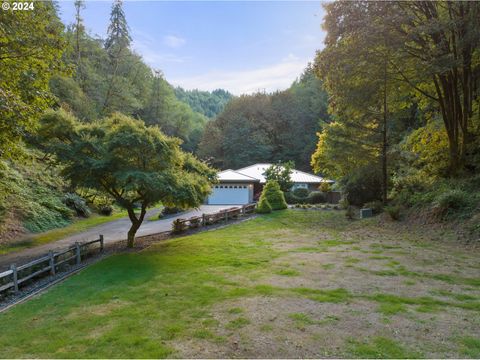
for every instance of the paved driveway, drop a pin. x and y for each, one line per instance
(112, 231)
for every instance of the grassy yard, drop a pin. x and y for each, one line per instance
(57, 234)
(289, 284)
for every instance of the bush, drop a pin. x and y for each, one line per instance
(316, 197)
(178, 226)
(376, 206)
(290, 198)
(325, 187)
(452, 200)
(106, 210)
(170, 210)
(363, 185)
(75, 202)
(393, 211)
(263, 206)
(301, 193)
(276, 199)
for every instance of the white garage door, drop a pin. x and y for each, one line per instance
(229, 194)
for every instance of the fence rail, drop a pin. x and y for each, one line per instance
(16, 276)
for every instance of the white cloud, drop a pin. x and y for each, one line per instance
(144, 45)
(174, 41)
(277, 76)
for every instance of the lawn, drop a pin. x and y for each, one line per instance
(291, 284)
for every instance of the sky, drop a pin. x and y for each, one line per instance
(242, 47)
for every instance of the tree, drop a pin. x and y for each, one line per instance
(137, 166)
(281, 173)
(118, 33)
(272, 192)
(31, 46)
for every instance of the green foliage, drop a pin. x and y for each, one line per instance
(380, 347)
(276, 199)
(281, 173)
(316, 197)
(394, 211)
(350, 212)
(268, 128)
(30, 53)
(452, 200)
(263, 206)
(78, 204)
(301, 193)
(127, 161)
(363, 186)
(325, 186)
(207, 103)
(376, 206)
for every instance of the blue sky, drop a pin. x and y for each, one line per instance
(242, 47)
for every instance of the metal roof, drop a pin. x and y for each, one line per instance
(256, 171)
(230, 175)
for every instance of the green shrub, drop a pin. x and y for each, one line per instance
(301, 193)
(376, 206)
(178, 226)
(325, 187)
(344, 204)
(170, 210)
(452, 201)
(316, 197)
(393, 211)
(263, 206)
(363, 185)
(274, 195)
(106, 210)
(75, 202)
(290, 198)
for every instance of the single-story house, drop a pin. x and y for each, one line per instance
(238, 187)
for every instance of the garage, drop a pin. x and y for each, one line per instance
(232, 189)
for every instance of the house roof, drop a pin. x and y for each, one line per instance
(256, 171)
(230, 175)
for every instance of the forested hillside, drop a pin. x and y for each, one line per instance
(45, 65)
(404, 86)
(207, 103)
(268, 127)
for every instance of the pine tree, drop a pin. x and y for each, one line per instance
(118, 33)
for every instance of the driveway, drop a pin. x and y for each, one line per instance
(112, 232)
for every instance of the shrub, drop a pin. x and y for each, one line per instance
(452, 200)
(363, 185)
(263, 206)
(170, 210)
(75, 202)
(290, 198)
(393, 211)
(178, 226)
(106, 210)
(325, 187)
(316, 197)
(376, 206)
(276, 199)
(301, 193)
(344, 204)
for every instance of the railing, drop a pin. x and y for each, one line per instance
(213, 218)
(16, 277)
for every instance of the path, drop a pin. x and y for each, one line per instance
(112, 231)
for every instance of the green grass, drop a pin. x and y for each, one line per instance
(470, 347)
(58, 234)
(288, 272)
(380, 347)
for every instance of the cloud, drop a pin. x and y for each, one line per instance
(174, 41)
(275, 77)
(143, 44)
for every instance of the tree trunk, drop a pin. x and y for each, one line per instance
(136, 222)
(131, 235)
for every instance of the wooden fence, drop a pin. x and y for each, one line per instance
(16, 277)
(213, 218)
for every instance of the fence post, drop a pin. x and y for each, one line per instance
(101, 243)
(226, 216)
(243, 210)
(204, 220)
(52, 262)
(13, 267)
(77, 246)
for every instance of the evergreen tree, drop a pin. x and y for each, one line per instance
(118, 33)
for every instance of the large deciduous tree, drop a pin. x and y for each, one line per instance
(136, 165)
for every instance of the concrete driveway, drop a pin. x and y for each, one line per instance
(112, 231)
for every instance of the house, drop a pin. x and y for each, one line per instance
(242, 186)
